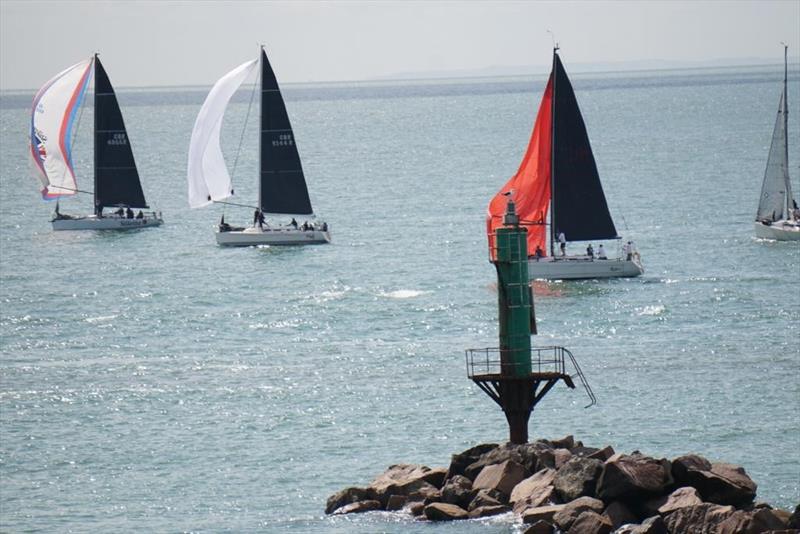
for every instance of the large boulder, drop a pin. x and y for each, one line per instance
(502, 477)
(405, 479)
(485, 498)
(577, 477)
(752, 522)
(358, 507)
(458, 490)
(719, 483)
(440, 511)
(619, 514)
(543, 513)
(396, 502)
(680, 498)
(699, 519)
(794, 519)
(603, 454)
(540, 527)
(345, 497)
(486, 511)
(567, 442)
(567, 515)
(534, 491)
(509, 451)
(651, 525)
(633, 476)
(590, 522)
(460, 461)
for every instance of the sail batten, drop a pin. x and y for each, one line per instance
(208, 176)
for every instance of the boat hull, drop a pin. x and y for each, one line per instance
(272, 236)
(92, 222)
(582, 267)
(778, 231)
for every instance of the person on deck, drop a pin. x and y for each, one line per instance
(120, 212)
(293, 223)
(140, 215)
(626, 251)
(601, 252)
(562, 240)
(590, 251)
(129, 213)
(261, 219)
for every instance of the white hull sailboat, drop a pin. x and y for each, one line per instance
(55, 116)
(557, 187)
(778, 217)
(282, 184)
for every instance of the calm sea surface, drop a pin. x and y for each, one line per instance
(153, 381)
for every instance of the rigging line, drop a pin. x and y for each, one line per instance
(244, 129)
(234, 204)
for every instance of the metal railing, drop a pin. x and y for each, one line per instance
(490, 361)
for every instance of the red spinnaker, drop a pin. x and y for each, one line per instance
(531, 183)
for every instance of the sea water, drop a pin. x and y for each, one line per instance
(153, 381)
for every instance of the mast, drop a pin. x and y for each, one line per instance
(787, 210)
(260, 120)
(94, 143)
(553, 157)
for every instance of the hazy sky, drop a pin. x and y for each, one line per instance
(145, 43)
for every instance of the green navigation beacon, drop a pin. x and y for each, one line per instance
(516, 375)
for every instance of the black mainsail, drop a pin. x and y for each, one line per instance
(282, 185)
(579, 208)
(116, 180)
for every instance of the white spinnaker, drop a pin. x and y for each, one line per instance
(55, 108)
(207, 174)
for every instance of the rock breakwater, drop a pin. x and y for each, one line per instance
(563, 486)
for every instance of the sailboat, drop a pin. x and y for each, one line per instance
(55, 117)
(558, 178)
(778, 216)
(282, 184)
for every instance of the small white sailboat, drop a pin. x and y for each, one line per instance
(558, 179)
(778, 216)
(54, 119)
(282, 184)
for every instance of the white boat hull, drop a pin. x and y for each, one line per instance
(582, 267)
(272, 236)
(110, 222)
(778, 231)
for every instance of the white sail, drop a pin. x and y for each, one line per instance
(207, 174)
(55, 110)
(772, 203)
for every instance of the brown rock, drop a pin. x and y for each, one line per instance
(543, 497)
(577, 477)
(651, 525)
(426, 493)
(486, 511)
(619, 514)
(567, 515)
(632, 476)
(460, 461)
(603, 454)
(680, 498)
(752, 522)
(510, 451)
(416, 508)
(544, 513)
(396, 502)
(486, 498)
(458, 490)
(532, 485)
(590, 522)
(404, 479)
(345, 497)
(440, 511)
(561, 457)
(501, 477)
(783, 515)
(718, 483)
(700, 519)
(540, 527)
(358, 507)
(794, 519)
(567, 442)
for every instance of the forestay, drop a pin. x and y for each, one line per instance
(208, 176)
(53, 117)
